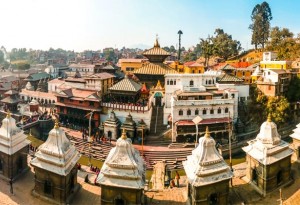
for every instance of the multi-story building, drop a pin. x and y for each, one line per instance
(190, 95)
(128, 66)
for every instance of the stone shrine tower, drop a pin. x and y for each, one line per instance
(122, 176)
(296, 142)
(207, 173)
(268, 159)
(13, 149)
(111, 126)
(55, 168)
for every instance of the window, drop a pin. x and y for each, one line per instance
(188, 112)
(180, 112)
(191, 83)
(226, 110)
(168, 83)
(269, 73)
(61, 99)
(209, 82)
(47, 187)
(211, 111)
(174, 82)
(196, 112)
(80, 102)
(219, 110)
(269, 87)
(171, 82)
(91, 103)
(204, 112)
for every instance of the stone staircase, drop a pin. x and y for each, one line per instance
(157, 126)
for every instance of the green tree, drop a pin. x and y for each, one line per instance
(261, 17)
(278, 107)
(191, 56)
(1, 57)
(224, 45)
(293, 94)
(172, 49)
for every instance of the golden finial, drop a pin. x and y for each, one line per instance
(207, 133)
(269, 119)
(56, 124)
(124, 136)
(158, 85)
(156, 44)
(8, 114)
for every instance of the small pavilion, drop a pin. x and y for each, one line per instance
(207, 173)
(111, 126)
(55, 167)
(13, 149)
(268, 159)
(130, 126)
(125, 91)
(122, 176)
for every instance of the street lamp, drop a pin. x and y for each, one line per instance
(197, 120)
(89, 139)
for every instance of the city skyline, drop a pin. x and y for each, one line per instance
(93, 25)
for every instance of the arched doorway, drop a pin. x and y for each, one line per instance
(254, 176)
(158, 98)
(279, 178)
(213, 198)
(119, 200)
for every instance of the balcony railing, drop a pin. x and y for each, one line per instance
(203, 102)
(128, 107)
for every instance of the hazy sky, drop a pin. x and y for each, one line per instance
(95, 24)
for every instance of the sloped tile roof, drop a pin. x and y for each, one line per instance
(229, 78)
(228, 67)
(156, 51)
(155, 69)
(126, 85)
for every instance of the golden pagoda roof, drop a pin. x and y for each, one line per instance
(155, 69)
(156, 51)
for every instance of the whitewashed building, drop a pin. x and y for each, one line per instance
(13, 149)
(55, 167)
(122, 176)
(207, 173)
(268, 159)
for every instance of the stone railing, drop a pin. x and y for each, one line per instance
(203, 102)
(127, 107)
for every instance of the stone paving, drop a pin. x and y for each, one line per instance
(22, 187)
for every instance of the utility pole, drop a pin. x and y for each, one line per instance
(179, 49)
(229, 136)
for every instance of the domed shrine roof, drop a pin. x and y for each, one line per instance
(205, 165)
(12, 138)
(123, 167)
(57, 154)
(267, 147)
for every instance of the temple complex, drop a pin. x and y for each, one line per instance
(207, 173)
(13, 149)
(296, 142)
(122, 176)
(55, 168)
(268, 159)
(155, 70)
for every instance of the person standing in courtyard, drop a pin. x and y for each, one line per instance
(177, 177)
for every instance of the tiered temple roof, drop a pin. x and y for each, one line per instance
(123, 167)
(57, 154)
(205, 165)
(12, 138)
(267, 147)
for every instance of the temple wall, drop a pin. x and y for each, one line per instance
(14, 165)
(202, 195)
(136, 116)
(130, 196)
(269, 177)
(60, 185)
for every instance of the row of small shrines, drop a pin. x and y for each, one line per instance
(122, 177)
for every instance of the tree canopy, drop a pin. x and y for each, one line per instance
(261, 17)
